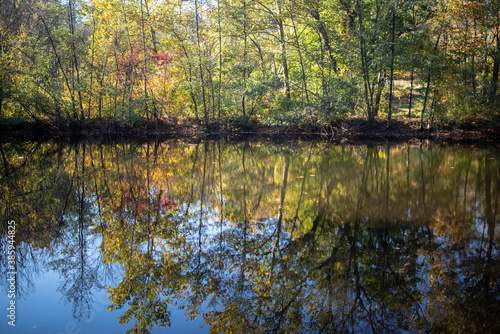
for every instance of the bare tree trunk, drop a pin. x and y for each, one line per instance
(244, 56)
(496, 67)
(116, 79)
(75, 58)
(364, 65)
(425, 100)
(411, 93)
(283, 54)
(91, 66)
(101, 84)
(432, 113)
(378, 93)
(146, 108)
(205, 113)
(153, 32)
(128, 77)
(389, 113)
(427, 88)
(284, 63)
(324, 37)
(300, 58)
(66, 80)
(220, 62)
(190, 81)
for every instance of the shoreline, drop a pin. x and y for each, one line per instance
(350, 130)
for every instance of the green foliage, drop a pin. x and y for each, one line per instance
(126, 115)
(342, 100)
(243, 122)
(281, 62)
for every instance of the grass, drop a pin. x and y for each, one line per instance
(401, 99)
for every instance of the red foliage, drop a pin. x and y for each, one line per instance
(132, 59)
(130, 63)
(162, 58)
(127, 64)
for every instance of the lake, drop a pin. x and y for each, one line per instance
(234, 236)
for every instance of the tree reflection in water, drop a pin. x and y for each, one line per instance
(258, 237)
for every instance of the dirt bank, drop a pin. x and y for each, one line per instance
(349, 130)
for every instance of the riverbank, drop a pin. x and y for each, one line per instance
(349, 130)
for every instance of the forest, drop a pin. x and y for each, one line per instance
(271, 62)
(234, 161)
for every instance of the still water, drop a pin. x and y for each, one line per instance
(249, 237)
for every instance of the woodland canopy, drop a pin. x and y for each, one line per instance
(273, 61)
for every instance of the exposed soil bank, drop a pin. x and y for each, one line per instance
(350, 130)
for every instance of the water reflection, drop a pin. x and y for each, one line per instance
(256, 237)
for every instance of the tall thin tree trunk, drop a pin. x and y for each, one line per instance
(473, 75)
(146, 108)
(496, 67)
(364, 64)
(283, 51)
(212, 92)
(425, 100)
(432, 112)
(153, 32)
(389, 113)
(244, 56)
(300, 58)
(411, 92)
(324, 37)
(65, 75)
(190, 81)
(378, 92)
(75, 58)
(428, 85)
(220, 62)
(321, 66)
(129, 79)
(91, 65)
(205, 113)
(101, 84)
(116, 78)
